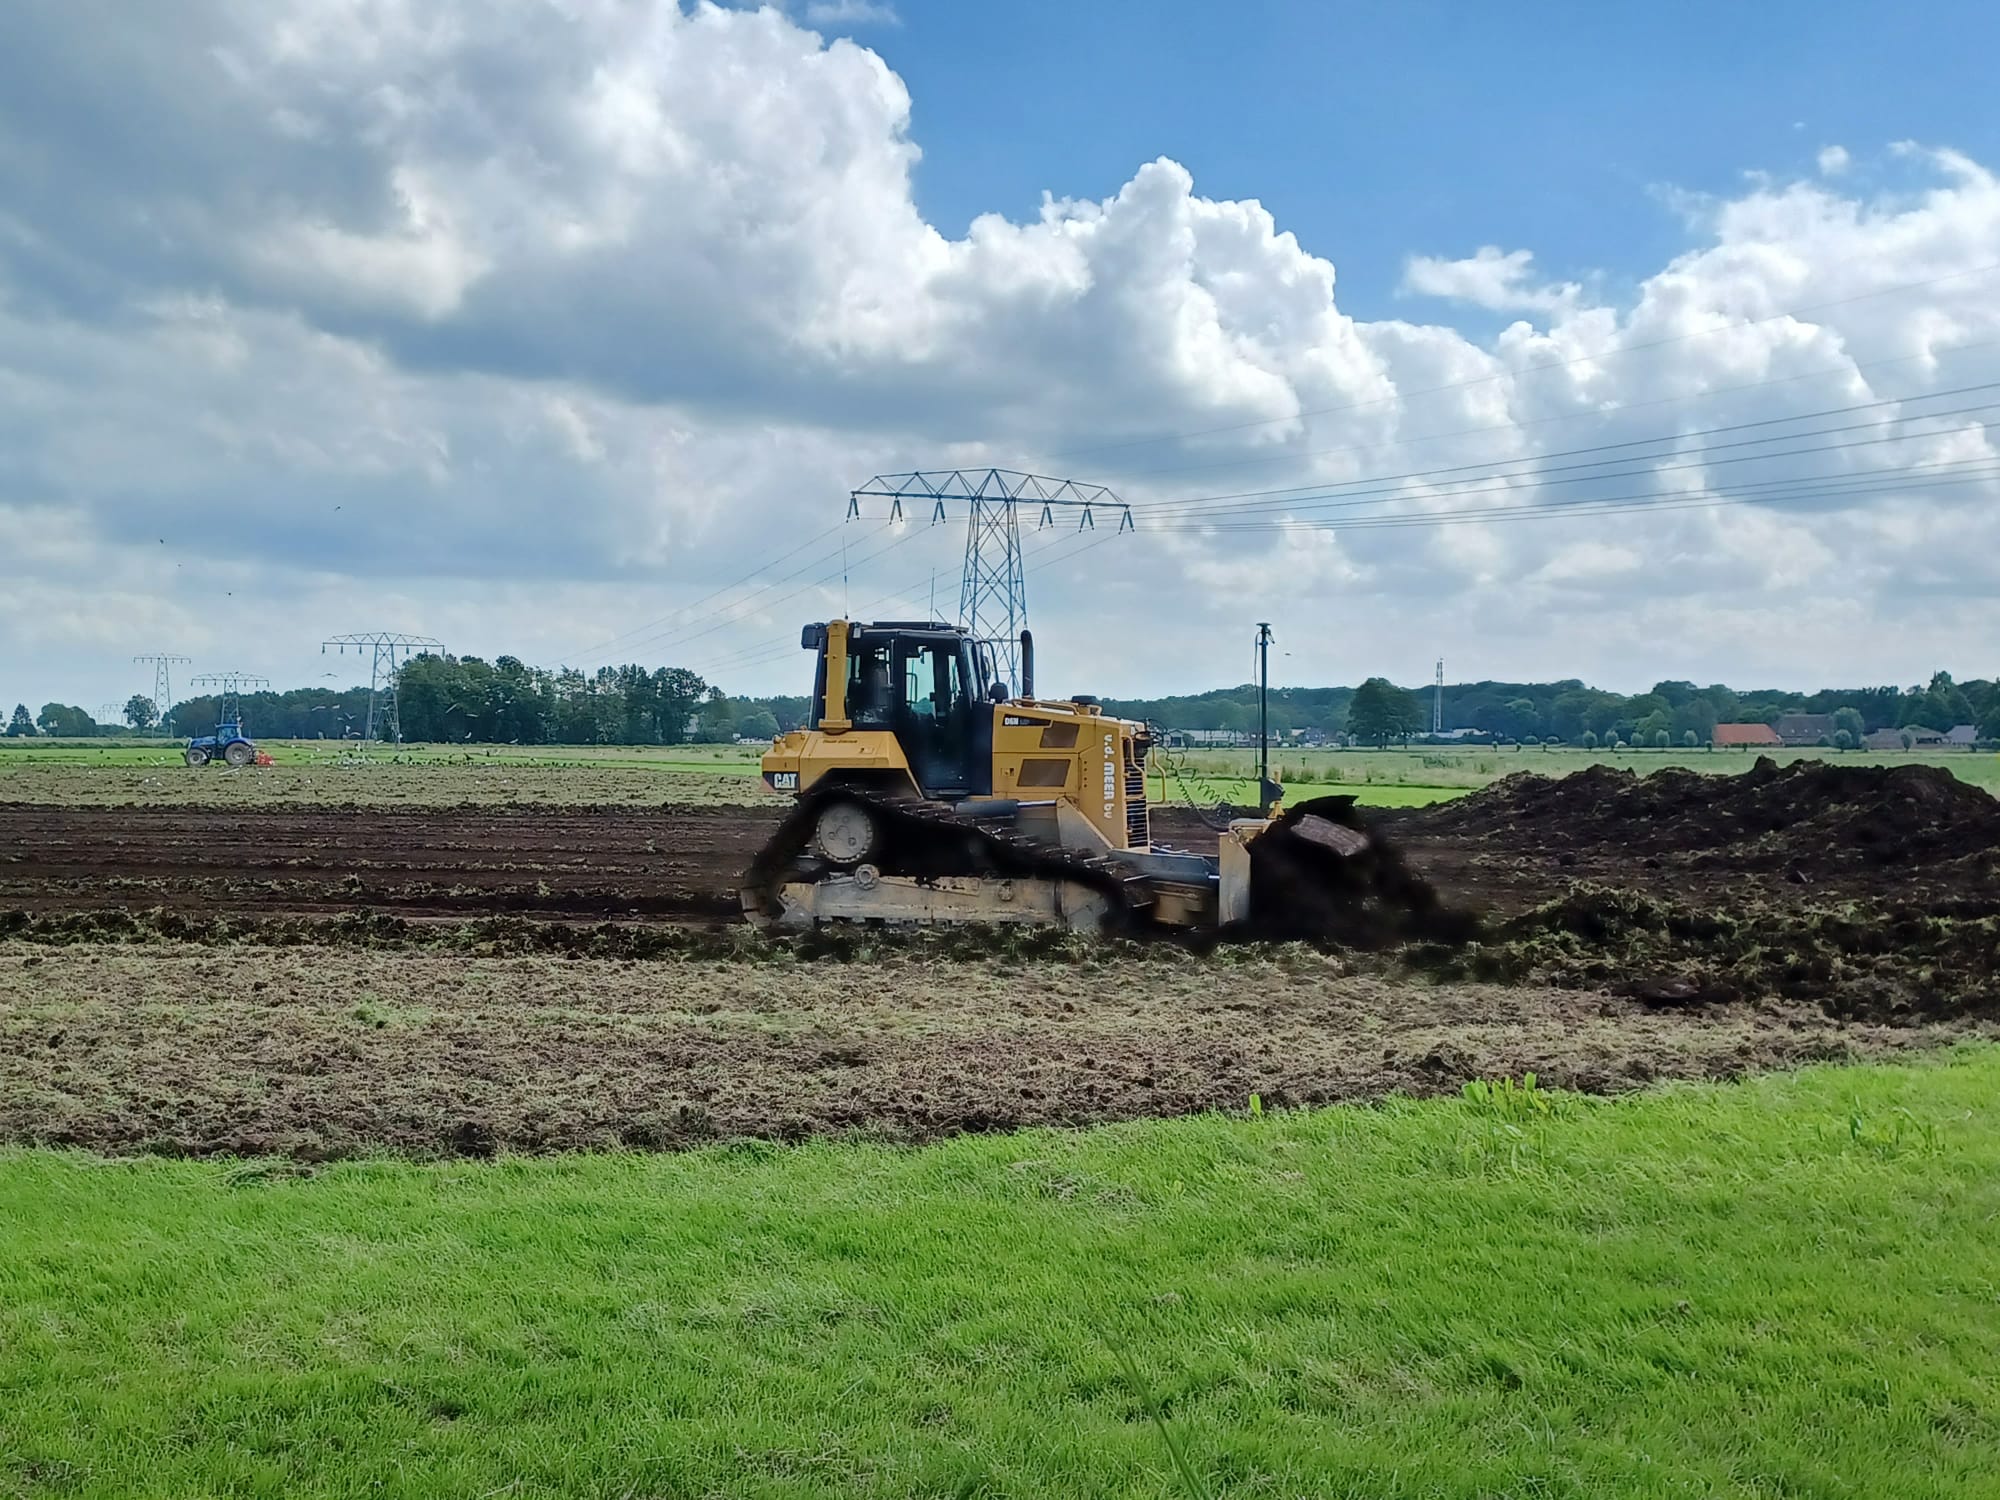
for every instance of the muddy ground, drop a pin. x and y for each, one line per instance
(601, 863)
(320, 1053)
(321, 981)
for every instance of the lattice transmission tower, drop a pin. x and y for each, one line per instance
(229, 689)
(993, 592)
(387, 649)
(1437, 701)
(163, 683)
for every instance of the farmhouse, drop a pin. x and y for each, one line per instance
(1804, 729)
(1743, 736)
(1961, 736)
(1892, 739)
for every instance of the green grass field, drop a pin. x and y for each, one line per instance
(1381, 778)
(1359, 770)
(1785, 1287)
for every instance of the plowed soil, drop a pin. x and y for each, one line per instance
(622, 863)
(659, 864)
(476, 979)
(320, 1053)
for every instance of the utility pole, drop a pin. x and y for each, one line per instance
(387, 646)
(1437, 702)
(993, 595)
(1267, 793)
(163, 683)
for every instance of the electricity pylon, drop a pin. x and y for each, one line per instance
(387, 646)
(229, 692)
(993, 593)
(163, 684)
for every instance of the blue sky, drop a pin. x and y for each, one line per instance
(562, 330)
(1423, 128)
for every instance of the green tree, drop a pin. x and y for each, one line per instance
(1690, 739)
(1381, 712)
(1589, 739)
(758, 724)
(1849, 720)
(1659, 739)
(20, 724)
(141, 712)
(1843, 740)
(63, 721)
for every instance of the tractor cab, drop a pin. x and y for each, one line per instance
(927, 684)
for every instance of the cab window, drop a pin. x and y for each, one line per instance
(870, 691)
(933, 682)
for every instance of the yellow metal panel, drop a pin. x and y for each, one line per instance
(796, 761)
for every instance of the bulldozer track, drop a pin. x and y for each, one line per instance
(928, 840)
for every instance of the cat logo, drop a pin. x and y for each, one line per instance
(784, 781)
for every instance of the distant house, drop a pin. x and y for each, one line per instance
(1804, 729)
(1892, 739)
(1745, 736)
(1961, 736)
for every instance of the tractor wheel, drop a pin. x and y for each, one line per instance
(240, 754)
(196, 756)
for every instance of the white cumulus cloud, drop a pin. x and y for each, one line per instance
(1490, 278)
(564, 329)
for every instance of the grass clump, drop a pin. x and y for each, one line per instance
(1778, 1287)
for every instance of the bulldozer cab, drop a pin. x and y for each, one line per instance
(926, 683)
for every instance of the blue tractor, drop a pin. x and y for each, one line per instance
(229, 744)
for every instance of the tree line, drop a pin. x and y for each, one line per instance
(1570, 712)
(459, 699)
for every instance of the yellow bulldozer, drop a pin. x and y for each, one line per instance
(929, 792)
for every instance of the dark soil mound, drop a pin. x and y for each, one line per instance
(1322, 874)
(1810, 815)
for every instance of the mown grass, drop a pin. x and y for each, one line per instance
(1378, 778)
(1782, 1287)
(1427, 766)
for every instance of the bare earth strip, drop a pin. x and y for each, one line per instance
(374, 784)
(332, 1052)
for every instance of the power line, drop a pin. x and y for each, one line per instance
(1796, 489)
(591, 654)
(681, 634)
(1595, 413)
(1347, 488)
(1197, 519)
(1581, 359)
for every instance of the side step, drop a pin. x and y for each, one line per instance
(866, 895)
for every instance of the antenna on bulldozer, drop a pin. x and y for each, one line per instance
(387, 646)
(993, 595)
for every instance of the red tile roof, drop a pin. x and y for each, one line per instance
(1746, 734)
